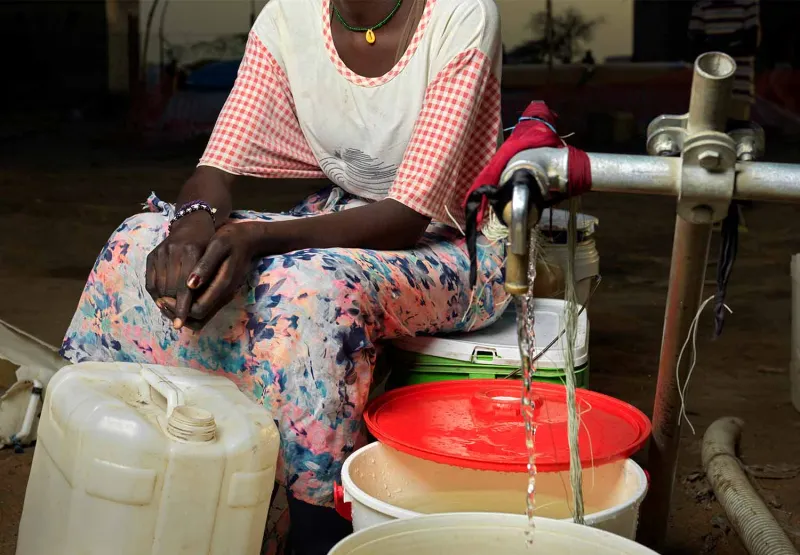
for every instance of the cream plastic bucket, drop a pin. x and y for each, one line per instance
(479, 534)
(587, 265)
(383, 484)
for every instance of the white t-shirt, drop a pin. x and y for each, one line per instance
(419, 134)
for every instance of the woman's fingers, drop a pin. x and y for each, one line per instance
(162, 264)
(209, 264)
(215, 272)
(167, 307)
(183, 302)
(150, 274)
(184, 294)
(219, 291)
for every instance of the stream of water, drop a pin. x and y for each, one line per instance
(525, 320)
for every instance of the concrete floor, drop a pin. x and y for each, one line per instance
(61, 198)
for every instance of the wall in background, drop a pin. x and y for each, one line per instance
(614, 37)
(192, 21)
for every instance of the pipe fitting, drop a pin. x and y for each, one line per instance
(709, 160)
(665, 146)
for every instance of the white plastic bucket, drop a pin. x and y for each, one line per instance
(587, 264)
(383, 484)
(482, 533)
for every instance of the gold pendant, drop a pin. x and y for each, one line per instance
(370, 36)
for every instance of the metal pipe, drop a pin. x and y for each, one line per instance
(518, 219)
(623, 173)
(687, 275)
(708, 109)
(651, 175)
(711, 89)
(765, 181)
(611, 173)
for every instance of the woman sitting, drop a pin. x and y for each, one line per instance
(397, 104)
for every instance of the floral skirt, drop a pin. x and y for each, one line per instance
(302, 337)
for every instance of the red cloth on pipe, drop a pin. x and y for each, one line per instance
(529, 134)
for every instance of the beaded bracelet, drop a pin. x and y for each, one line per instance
(190, 207)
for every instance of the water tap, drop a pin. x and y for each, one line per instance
(520, 214)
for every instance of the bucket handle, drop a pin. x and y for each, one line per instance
(165, 387)
(344, 508)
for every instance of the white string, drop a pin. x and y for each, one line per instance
(691, 336)
(452, 219)
(571, 325)
(494, 229)
(483, 285)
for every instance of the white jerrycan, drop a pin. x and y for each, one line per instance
(137, 459)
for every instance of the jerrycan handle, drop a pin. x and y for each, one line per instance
(164, 386)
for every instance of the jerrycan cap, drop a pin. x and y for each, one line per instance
(192, 424)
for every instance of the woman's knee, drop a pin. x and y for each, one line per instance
(317, 326)
(325, 287)
(134, 239)
(143, 231)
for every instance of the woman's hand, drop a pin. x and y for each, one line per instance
(171, 262)
(217, 276)
(223, 267)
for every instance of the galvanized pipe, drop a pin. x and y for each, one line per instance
(765, 181)
(651, 175)
(687, 274)
(708, 110)
(611, 173)
(711, 91)
(622, 173)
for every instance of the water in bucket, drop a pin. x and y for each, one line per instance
(553, 505)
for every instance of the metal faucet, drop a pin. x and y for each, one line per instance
(520, 215)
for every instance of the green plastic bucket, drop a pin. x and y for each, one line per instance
(425, 369)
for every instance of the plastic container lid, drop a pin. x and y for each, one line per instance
(478, 424)
(497, 345)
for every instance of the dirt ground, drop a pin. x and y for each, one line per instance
(61, 196)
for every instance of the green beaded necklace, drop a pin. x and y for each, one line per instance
(369, 31)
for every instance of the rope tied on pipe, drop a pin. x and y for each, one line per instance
(535, 129)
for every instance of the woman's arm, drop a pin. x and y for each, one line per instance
(212, 186)
(384, 225)
(223, 268)
(169, 264)
(256, 134)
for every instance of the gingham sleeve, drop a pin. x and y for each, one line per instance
(455, 136)
(257, 133)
